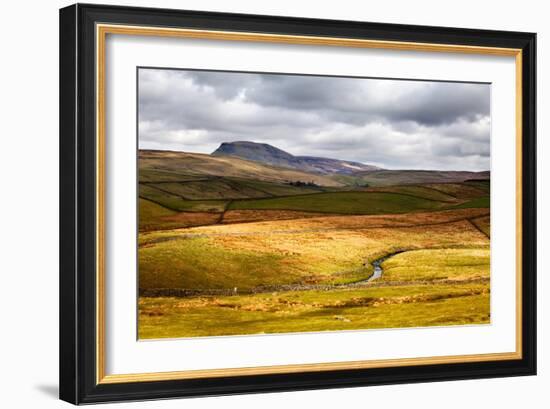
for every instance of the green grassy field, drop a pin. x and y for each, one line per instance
(279, 189)
(483, 185)
(343, 203)
(210, 189)
(418, 191)
(307, 311)
(475, 203)
(225, 188)
(459, 190)
(153, 216)
(165, 175)
(173, 202)
(386, 177)
(150, 215)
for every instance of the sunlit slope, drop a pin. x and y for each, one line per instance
(308, 251)
(169, 166)
(438, 264)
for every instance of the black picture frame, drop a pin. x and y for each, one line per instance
(78, 317)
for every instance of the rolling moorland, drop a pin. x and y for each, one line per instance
(252, 239)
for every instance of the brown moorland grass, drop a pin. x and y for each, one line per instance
(336, 221)
(327, 250)
(247, 216)
(318, 250)
(483, 223)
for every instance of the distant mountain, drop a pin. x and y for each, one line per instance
(270, 155)
(165, 166)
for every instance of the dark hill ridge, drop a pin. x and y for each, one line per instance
(270, 155)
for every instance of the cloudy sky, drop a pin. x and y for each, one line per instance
(390, 123)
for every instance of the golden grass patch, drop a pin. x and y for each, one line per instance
(439, 264)
(308, 311)
(324, 251)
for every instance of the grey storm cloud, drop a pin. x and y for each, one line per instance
(391, 123)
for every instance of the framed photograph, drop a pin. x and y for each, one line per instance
(257, 203)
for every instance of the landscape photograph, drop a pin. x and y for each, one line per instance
(274, 203)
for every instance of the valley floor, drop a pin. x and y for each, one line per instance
(314, 273)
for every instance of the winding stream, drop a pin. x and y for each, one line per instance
(377, 264)
(186, 292)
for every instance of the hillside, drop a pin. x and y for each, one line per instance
(270, 155)
(167, 166)
(385, 177)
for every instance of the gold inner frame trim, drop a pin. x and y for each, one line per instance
(101, 33)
